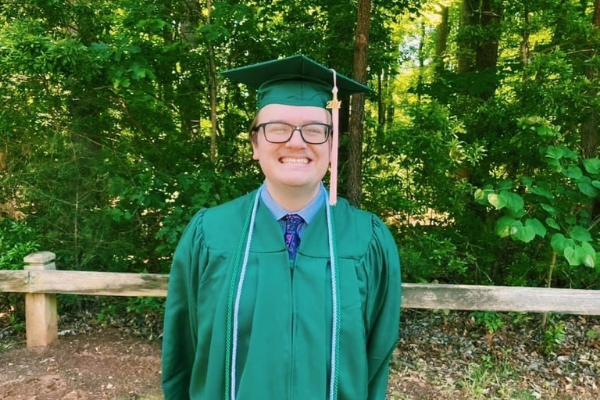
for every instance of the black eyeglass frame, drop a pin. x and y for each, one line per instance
(294, 129)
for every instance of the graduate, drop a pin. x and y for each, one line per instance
(288, 292)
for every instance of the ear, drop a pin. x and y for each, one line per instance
(254, 149)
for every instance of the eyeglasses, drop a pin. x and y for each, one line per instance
(280, 132)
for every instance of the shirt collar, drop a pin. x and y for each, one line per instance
(307, 213)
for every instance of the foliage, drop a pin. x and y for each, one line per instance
(17, 240)
(554, 334)
(433, 256)
(492, 321)
(592, 334)
(482, 176)
(507, 138)
(143, 316)
(555, 205)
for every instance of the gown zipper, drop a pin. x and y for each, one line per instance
(292, 328)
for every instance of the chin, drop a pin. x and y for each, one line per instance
(298, 184)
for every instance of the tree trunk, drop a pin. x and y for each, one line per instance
(190, 19)
(212, 78)
(422, 56)
(361, 42)
(479, 54)
(380, 101)
(589, 128)
(468, 18)
(486, 54)
(589, 134)
(441, 44)
(524, 48)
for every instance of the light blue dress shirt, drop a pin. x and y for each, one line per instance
(307, 213)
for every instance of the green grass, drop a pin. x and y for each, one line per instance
(488, 382)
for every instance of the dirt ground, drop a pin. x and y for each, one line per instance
(105, 364)
(440, 356)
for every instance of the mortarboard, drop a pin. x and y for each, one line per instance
(300, 81)
(294, 81)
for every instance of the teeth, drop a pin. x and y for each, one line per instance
(288, 160)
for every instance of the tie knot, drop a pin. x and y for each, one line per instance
(293, 220)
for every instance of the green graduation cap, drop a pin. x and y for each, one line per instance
(294, 81)
(300, 81)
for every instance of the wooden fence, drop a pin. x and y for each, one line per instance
(40, 281)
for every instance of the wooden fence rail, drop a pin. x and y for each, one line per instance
(40, 281)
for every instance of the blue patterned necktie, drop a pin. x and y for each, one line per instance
(292, 236)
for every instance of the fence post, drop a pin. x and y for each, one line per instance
(41, 317)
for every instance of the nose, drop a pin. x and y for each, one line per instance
(296, 139)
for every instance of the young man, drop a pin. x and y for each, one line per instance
(280, 294)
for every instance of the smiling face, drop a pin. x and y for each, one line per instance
(295, 164)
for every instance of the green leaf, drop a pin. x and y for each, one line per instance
(559, 243)
(527, 181)
(553, 152)
(573, 172)
(481, 196)
(589, 255)
(133, 49)
(557, 167)
(505, 185)
(572, 256)
(520, 213)
(546, 131)
(596, 184)
(506, 226)
(568, 153)
(552, 223)
(592, 165)
(532, 120)
(497, 200)
(513, 201)
(551, 210)
(535, 224)
(592, 334)
(586, 187)
(542, 192)
(524, 233)
(579, 255)
(581, 234)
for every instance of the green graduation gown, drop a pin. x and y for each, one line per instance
(284, 344)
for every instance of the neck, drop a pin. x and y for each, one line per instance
(291, 198)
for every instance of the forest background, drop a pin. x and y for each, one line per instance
(478, 144)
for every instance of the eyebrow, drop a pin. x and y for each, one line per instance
(280, 121)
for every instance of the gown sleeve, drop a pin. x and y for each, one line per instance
(179, 331)
(383, 302)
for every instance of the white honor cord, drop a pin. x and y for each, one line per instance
(334, 296)
(238, 296)
(334, 293)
